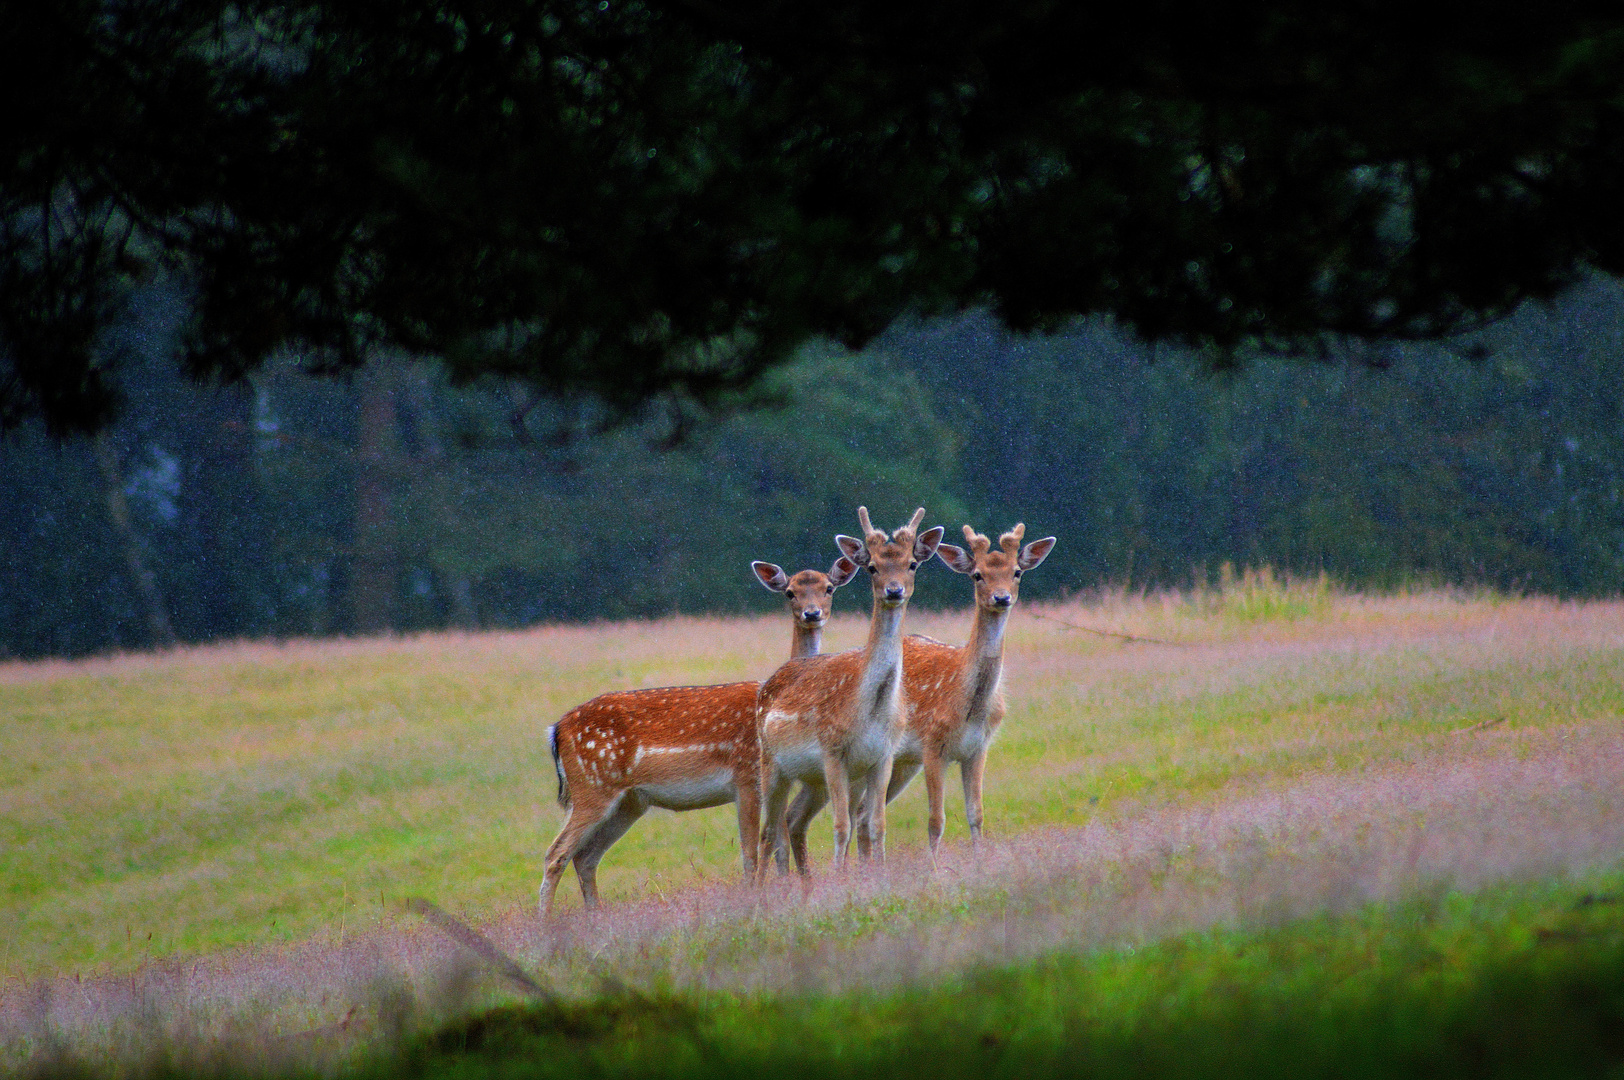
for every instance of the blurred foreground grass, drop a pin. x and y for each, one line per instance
(1508, 981)
(1518, 981)
(170, 806)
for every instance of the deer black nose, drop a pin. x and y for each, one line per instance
(812, 614)
(893, 592)
(1002, 599)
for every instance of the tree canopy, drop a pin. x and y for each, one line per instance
(667, 197)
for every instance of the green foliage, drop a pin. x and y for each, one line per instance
(616, 527)
(653, 198)
(497, 508)
(1502, 471)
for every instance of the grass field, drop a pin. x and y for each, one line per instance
(253, 814)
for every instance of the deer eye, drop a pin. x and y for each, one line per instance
(1017, 573)
(829, 589)
(914, 565)
(871, 569)
(976, 576)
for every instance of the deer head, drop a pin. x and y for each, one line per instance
(996, 570)
(810, 594)
(891, 560)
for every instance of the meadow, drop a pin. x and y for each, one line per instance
(1229, 782)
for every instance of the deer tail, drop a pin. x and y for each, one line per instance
(558, 767)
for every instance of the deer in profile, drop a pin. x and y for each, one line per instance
(679, 747)
(954, 694)
(833, 721)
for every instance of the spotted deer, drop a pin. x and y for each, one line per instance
(953, 694)
(832, 721)
(678, 747)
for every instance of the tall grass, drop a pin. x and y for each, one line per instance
(1261, 595)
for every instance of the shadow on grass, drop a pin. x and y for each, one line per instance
(1525, 981)
(1260, 1005)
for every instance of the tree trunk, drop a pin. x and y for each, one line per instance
(142, 579)
(373, 558)
(432, 460)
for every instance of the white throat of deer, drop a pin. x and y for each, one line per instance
(987, 635)
(806, 639)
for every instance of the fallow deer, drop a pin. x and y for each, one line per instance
(679, 747)
(832, 721)
(954, 695)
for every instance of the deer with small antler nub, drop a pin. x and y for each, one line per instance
(678, 747)
(832, 721)
(954, 694)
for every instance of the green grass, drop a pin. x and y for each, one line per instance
(166, 806)
(156, 810)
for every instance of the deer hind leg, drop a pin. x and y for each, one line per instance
(747, 783)
(834, 776)
(859, 817)
(876, 782)
(933, 795)
(971, 771)
(808, 801)
(902, 773)
(584, 815)
(627, 809)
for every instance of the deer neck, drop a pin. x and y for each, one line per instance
(984, 660)
(805, 640)
(879, 684)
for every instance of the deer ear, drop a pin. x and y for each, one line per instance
(853, 549)
(842, 571)
(1035, 552)
(957, 559)
(925, 546)
(771, 576)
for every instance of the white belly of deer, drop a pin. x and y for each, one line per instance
(797, 755)
(800, 761)
(691, 793)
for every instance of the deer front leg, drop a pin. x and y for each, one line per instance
(933, 795)
(808, 801)
(834, 778)
(599, 840)
(971, 772)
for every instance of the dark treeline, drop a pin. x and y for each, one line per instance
(296, 506)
